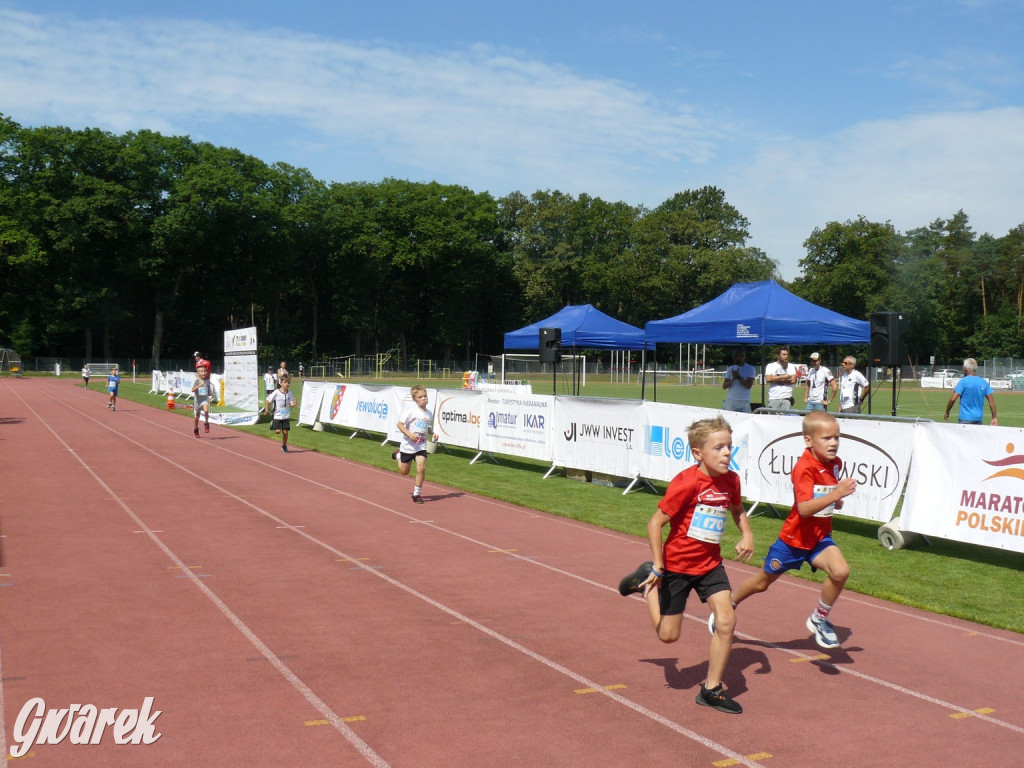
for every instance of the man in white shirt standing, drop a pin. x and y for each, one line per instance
(853, 387)
(821, 385)
(781, 376)
(739, 378)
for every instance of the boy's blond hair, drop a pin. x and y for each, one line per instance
(815, 420)
(417, 388)
(699, 432)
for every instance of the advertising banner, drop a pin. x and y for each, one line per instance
(330, 403)
(665, 448)
(242, 383)
(457, 414)
(520, 425)
(967, 484)
(875, 453)
(602, 435)
(310, 402)
(369, 408)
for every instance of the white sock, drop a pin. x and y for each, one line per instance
(415, 490)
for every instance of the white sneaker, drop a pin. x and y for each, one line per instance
(824, 633)
(711, 623)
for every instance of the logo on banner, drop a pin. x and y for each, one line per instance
(378, 408)
(658, 441)
(455, 418)
(986, 510)
(339, 393)
(607, 433)
(873, 468)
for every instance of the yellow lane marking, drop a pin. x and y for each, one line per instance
(353, 719)
(964, 715)
(818, 657)
(493, 551)
(615, 687)
(730, 761)
(178, 568)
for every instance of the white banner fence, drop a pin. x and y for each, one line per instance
(964, 483)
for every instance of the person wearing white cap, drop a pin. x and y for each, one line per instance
(821, 385)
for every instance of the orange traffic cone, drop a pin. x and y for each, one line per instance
(170, 399)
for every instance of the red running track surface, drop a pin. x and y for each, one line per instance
(297, 610)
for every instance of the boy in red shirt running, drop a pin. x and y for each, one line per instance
(695, 507)
(806, 535)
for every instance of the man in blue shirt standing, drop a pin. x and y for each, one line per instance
(972, 391)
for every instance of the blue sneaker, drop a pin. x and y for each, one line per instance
(824, 633)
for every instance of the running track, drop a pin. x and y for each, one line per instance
(298, 610)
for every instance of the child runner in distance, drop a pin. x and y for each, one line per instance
(113, 381)
(203, 393)
(281, 401)
(695, 507)
(414, 424)
(806, 535)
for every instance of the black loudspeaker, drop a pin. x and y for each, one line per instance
(888, 342)
(550, 345)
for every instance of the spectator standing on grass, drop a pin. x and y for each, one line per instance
(302, 371)
(281, 401)
(695, 507)
(739, 378)
(853, 387)
(282, 372)
(269, 382)
(821, 385)
(781, 376)
(86, 373)
(973, 391)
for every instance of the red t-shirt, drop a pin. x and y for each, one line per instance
(810, 472)
(687, 549)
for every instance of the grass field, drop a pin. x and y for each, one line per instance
(971, 582)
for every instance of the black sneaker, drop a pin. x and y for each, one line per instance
(417, 499)
(195, 431)
(284, 448)
(631, 584)
(717, 698)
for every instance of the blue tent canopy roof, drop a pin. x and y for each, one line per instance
(583, 327)
(759, 313)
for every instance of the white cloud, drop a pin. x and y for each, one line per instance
(909, 171)
(485, 116)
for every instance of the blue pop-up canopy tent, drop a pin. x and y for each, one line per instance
(758, 314)
(582, 327)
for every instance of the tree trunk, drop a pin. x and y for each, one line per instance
(88, 343)
(158, 337)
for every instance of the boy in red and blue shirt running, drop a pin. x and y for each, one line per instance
(806, 535)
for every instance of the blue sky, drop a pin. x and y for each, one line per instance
(802, 112)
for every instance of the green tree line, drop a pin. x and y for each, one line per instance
(147, 245)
